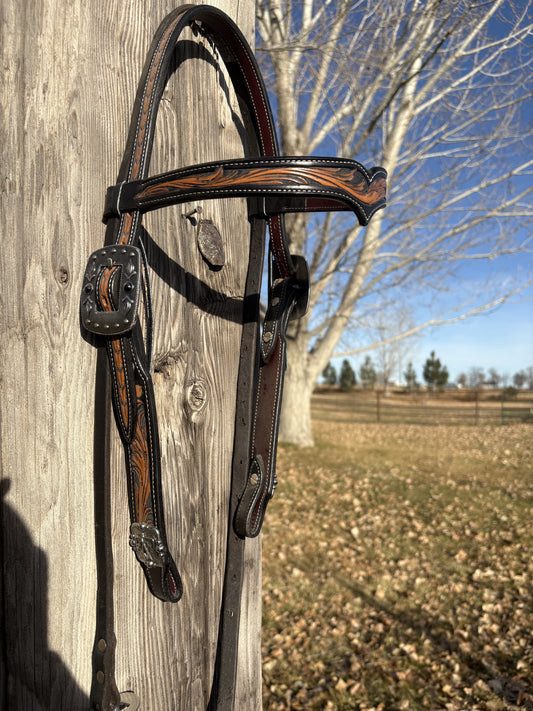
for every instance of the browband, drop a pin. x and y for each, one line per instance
(113, 282)
(288, 184)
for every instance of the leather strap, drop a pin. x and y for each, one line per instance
(339, 184)
(104, 692)
(112, 291)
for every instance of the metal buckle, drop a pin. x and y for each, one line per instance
(148, 545)
(302, 279)
(112, 323)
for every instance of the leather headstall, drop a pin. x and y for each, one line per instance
(116, 279)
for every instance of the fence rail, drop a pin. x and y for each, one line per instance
(431, 409)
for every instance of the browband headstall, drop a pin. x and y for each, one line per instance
(340, 184)
(113, 281)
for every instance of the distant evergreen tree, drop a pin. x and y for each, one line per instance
(367, 374)
(410, 377)
(347, 376)
(329, 374)
(435, 374)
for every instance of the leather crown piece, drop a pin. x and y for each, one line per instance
(113, 281)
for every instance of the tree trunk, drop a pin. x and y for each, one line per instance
(295, 420)
(70, 77)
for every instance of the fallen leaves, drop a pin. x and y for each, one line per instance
(398, 570)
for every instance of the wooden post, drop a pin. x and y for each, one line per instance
(69, 82)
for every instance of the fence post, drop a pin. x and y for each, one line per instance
(476, 411)
(61, 136)
(378, 404)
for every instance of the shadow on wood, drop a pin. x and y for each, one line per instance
(38, 677)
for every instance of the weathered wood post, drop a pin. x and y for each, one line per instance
(70, 72)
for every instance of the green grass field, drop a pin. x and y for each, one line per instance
(398, 568)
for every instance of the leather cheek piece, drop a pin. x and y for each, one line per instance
(288, 300)
(280, 305)
(257, 493)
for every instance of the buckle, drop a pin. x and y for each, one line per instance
(301, 286)
(122, 319)
(148, 545)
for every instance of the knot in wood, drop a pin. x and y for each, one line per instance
(196, 395)
(62, 276)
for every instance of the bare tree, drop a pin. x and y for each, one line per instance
(520, 379)
(385, 326)
(462, 380)
(476, 377)
(434, 91)
(494, 377)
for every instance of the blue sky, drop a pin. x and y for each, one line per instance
(502, 340)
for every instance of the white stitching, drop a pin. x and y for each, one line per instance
(265, 160)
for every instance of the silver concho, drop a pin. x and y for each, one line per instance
(210, 244)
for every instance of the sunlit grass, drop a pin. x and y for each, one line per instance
(398, 569)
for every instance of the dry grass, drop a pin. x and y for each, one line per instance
(398, 569)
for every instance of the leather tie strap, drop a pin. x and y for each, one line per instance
(114, 284)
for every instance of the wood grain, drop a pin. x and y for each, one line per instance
(69, 83)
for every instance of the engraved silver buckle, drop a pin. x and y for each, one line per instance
(121, 320)
(148, 545)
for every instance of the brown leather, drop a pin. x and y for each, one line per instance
(109, 303)
(340, 184)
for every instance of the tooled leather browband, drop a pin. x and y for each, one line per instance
(114, 276)
(342, 184)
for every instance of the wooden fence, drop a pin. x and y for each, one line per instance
(464, 408)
